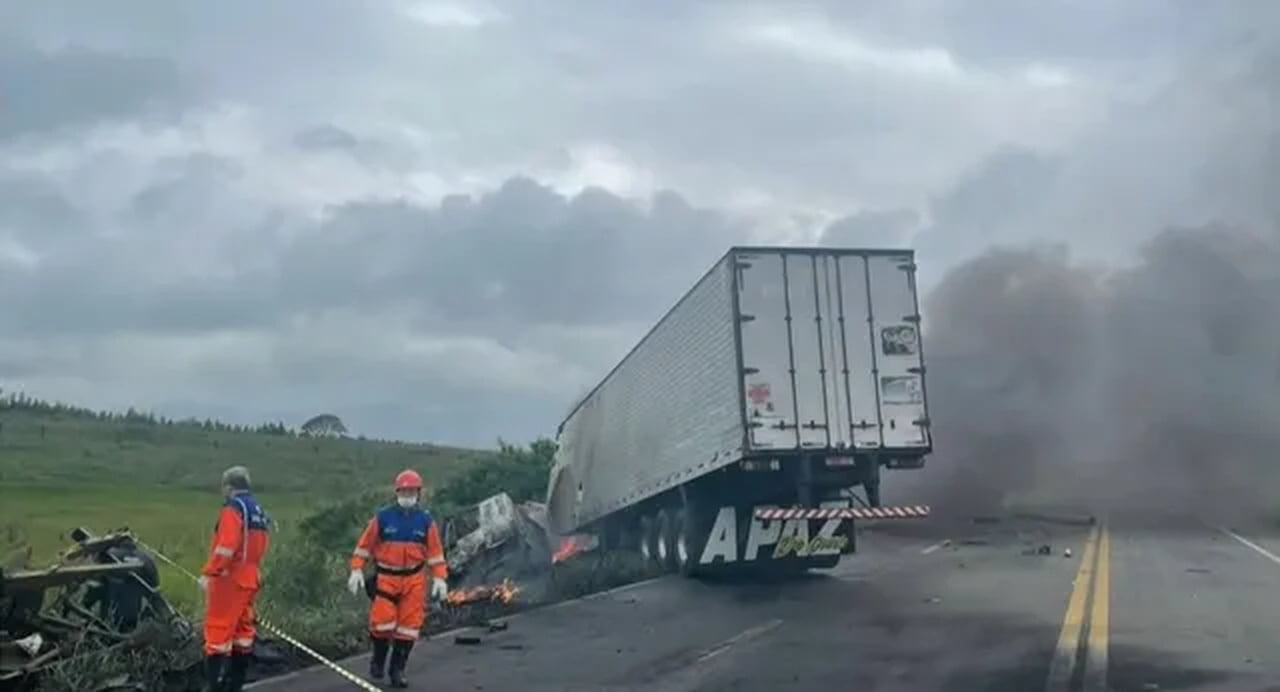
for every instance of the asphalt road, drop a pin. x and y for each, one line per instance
(1138, 605)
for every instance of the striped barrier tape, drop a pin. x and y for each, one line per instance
(904, 512)
(276, 631)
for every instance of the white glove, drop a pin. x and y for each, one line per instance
(203, 583)
(355, 582)
(439, 590)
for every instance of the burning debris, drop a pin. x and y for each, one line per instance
(504, 592)
(497, 543)
(101, 596)
(570, 546)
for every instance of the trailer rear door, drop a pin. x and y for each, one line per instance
(830, 350)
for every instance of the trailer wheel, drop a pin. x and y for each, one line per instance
(686, 543)
(668, 530)
(648, 539)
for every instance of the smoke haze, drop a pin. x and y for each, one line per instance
(1119, 347)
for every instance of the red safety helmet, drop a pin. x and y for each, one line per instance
(408, 479)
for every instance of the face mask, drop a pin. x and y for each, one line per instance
(406, 502)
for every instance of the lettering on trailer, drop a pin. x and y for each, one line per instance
(788, 537)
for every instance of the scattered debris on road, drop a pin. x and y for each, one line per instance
(466, 640)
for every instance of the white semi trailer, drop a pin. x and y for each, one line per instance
(736, 431)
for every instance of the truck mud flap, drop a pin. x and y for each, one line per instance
(792, 513)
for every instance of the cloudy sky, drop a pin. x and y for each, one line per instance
(444, 220)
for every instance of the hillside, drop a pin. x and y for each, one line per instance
(49, 444)
(63, 466)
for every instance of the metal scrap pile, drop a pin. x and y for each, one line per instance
(100, 597)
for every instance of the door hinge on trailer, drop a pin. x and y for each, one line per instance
(814, 425)
(922, 422)
(746, 318)
(911, 318)
(916, 371)
(863, 425)
(908, 267)
(780, 425)
(750, 371)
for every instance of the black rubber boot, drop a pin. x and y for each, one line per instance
(378, 662)
(399, 657)
(237, 672)
(214, 666)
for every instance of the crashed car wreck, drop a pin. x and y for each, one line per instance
(497, 543)
(101, 596)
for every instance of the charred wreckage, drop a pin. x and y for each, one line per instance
(101, 596)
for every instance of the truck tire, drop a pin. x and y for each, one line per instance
(648, 535)
(667, 535)
(689, 535)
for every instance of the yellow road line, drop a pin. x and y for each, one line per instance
(1095, 662)
(1067, 651)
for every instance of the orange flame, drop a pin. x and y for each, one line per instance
(570, 546)
(567, 548)
(504, 593)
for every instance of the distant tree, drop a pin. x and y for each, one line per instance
(326, 425)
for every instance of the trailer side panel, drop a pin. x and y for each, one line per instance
(670, 411)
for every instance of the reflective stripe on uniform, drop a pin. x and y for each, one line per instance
(435, 561)
(223, 551)
(361, 552)
(221, 648)
(384, 627)
(393, 568)
(407, 631)
(243, 643)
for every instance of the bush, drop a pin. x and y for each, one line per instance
(520, 472)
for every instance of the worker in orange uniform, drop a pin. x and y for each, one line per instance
(230, 581)
(403, 542)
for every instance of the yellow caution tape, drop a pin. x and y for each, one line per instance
(351, 677)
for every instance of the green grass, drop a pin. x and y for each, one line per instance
(176, 522)
(47, 447)
(62, 467)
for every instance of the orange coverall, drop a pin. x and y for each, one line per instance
(240, 541)
(401, 543)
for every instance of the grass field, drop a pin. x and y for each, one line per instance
(62, 467)
(47, 446)
(176, 522)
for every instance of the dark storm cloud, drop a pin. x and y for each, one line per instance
(325, 137)
(45, 91)
(521, 255)
(192, 273)
(35, 208)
